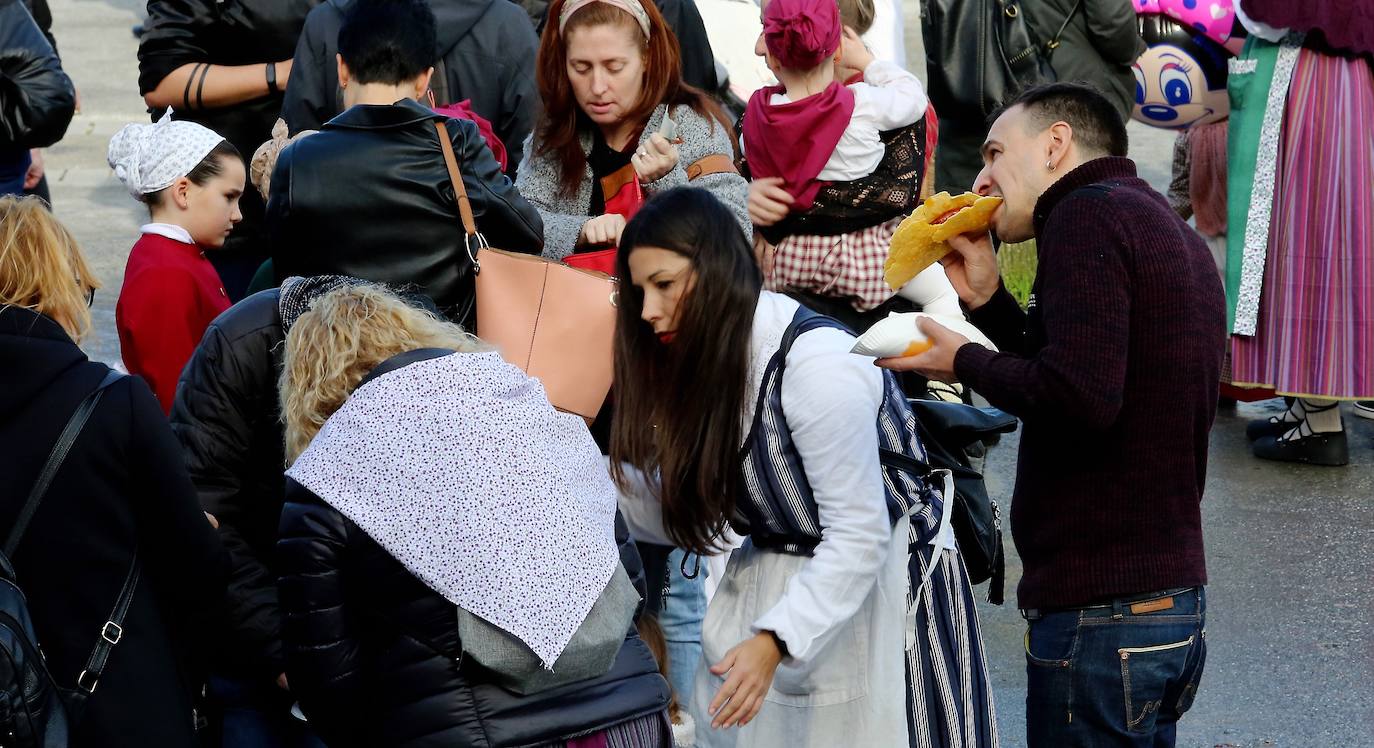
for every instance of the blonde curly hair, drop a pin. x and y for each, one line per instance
(41, 266)
(345, 334)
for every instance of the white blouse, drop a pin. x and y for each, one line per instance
(830, 400)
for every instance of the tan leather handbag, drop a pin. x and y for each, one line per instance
(555, 322)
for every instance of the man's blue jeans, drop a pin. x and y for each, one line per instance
(1114, 675)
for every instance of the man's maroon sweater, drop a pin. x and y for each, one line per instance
(1113, 371)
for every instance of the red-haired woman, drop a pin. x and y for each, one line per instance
(609, 74)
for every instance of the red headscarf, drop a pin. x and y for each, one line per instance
(801, 33)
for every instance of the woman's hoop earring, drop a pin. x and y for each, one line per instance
(1049, 165)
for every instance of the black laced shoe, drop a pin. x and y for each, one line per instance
(1271, 426)
(1327, 448)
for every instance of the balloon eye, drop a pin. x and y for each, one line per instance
(1176, 86)
(1139, 84)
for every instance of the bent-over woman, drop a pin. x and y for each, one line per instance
(750, 412)
(430, 477)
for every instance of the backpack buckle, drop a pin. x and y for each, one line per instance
(111, 626)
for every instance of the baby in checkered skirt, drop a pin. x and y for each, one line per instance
(838, 166)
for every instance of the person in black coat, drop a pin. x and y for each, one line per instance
(228, 420)
(373, 652)
(123, 487)
(37, 99)
(369, 196)
(484, 54)
(223, 64)
(1098, 44)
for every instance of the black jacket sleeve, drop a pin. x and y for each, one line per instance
(698, 62)
(1113, 31)
(519, 97)
(503, 216)
(174, 35)
(226, 393)
(311, 95)
(321, 648)
(36, 98)
(42, 15)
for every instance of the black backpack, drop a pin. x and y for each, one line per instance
(948, 430)
(34, 711)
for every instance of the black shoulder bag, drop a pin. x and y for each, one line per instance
(25, 665)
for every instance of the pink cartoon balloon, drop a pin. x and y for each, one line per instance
(1180, 81)
(1214, 18)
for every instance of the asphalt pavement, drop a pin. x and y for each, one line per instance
(1290, 634)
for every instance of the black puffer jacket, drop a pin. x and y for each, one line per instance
(369, 197)
(486, 48)
(374, 655)
(36, 98)
(226, 418)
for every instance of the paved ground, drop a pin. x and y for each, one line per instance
(1291, 639)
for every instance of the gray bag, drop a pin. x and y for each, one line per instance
(590, 653)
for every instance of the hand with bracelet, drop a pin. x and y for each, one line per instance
(201, 85)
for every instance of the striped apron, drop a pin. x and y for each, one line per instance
(909, 668)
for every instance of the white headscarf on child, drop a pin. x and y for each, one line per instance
(148, 158)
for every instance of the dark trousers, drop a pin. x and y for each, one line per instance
(258, 715)
(1120, 674)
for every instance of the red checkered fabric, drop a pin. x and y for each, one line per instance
(845, 266)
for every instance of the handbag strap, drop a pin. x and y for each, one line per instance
(1053, 43)
(55, 459)
(460, 193)
(110, 633)
(113, 630)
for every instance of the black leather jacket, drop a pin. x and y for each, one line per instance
(374, 655)
(36, 97)
(369, 196)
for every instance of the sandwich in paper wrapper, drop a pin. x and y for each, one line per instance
(898, 335)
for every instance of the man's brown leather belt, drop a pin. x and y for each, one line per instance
(1149, 602)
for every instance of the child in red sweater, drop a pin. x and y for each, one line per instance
(191, 179)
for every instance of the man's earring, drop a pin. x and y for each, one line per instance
(1049, 165)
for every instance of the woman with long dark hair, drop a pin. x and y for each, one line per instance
(812, 638)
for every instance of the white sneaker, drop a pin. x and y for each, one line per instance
(1364, 409)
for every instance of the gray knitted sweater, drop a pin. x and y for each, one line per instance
(538, 179)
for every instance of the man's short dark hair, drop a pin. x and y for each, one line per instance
(1097, 126)
(388, 41)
